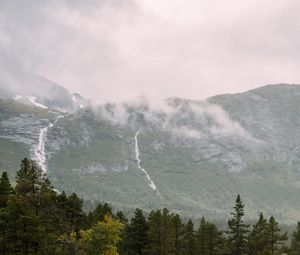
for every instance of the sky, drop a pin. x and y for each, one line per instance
(119, 49)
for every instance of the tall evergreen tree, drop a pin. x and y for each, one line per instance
(178, 232)
(258, 237)
(238, 230)
(161, 233)
(137, 236)
(22, 231)
(28, 177)
(215, 239)
(209, 239)
(5, 189)
(295, 245)
(100, 212)
(275, 237)
(189, 241)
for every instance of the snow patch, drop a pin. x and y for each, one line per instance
(32, 99)
(76, 101)
(18, 97)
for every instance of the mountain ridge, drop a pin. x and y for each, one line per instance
(199, 154)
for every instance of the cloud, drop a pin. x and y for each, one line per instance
(188, 119)
(117, 49)
(223, 124)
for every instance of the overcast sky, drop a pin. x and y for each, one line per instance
(120, 49)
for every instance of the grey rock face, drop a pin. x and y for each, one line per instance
(199, 154)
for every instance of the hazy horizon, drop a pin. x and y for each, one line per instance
(118, 50)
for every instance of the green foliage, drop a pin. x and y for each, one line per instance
(238, 230)
(103, 237)
(100, 212)
(258, 237)
(275, 237)
(137, 234)
(178, 232)
(36, 219)
(5, 190)
(210, 240)
(28, 178)
(161, 233)
(295, 245)
(188, 239)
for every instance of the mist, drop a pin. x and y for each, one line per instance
(118, 50)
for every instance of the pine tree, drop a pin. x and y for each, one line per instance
(215, 239)
(5, 189)
(99, 213)
(275, 238)
(209, 239)
(295, 245)
(137, 236)
(258, 237)
(189, 242)
(238, 230)
(22, 231)
(154, 234)
(28, 177)
(178, 232)
(161, 233)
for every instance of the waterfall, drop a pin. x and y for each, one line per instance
(39, 151)
(137, 156)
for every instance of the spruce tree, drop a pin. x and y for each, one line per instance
(201, 237)
(275, 238)
(295, 245)
(258, 237)
(5, 189)
(238, 230)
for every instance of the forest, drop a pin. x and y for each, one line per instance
(37, 219)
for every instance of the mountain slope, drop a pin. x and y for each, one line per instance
(37, 91)
(199, 154)
(190, 156)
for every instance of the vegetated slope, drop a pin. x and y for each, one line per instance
(199, 154)
(20, 127)
(29, 106)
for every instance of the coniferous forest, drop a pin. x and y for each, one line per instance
(37, 219)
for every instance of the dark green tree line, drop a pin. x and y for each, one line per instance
(36, 219)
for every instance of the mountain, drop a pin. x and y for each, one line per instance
(37, 91)
(193, 157)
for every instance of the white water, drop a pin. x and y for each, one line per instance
(137, 156)
(39, 151)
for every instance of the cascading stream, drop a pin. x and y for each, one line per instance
(137, 156)
(39, 151)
